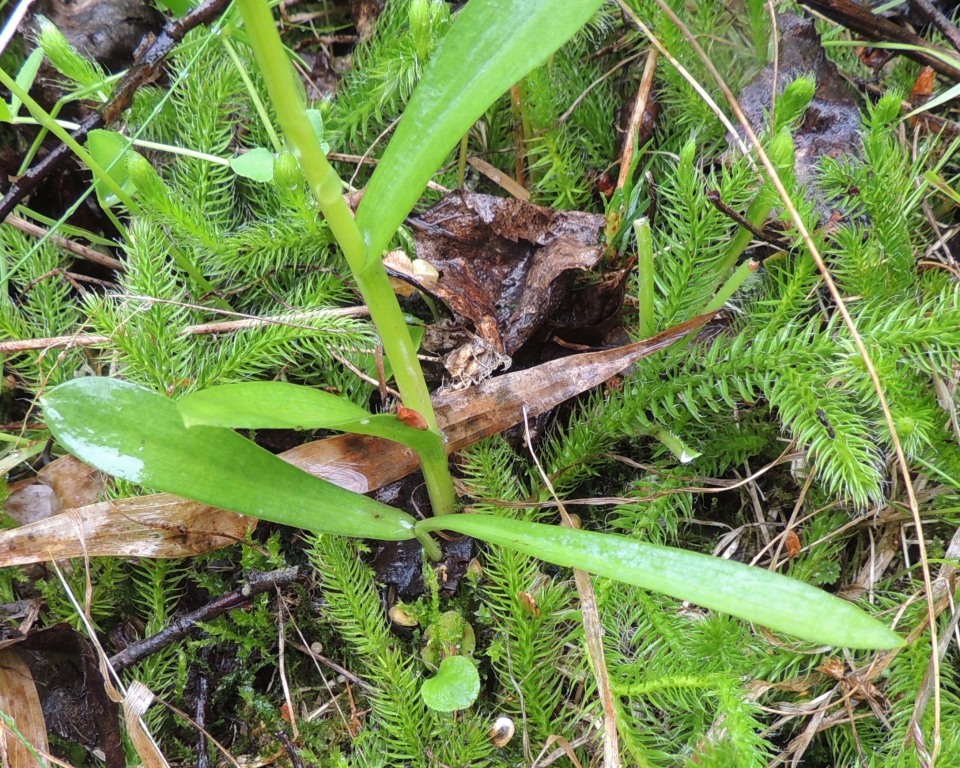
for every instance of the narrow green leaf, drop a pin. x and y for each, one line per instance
(939, 184)
(26, 76)
(455, 686)
(136, 434)
(267, 405)
(257, 164)
(6, 115)
(490, 46)
(280, 405)
(775, 601)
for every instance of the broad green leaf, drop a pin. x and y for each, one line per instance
(109, 149)
(775, 601)
(280, 405)
(136, 434)
(490, 46)
(257, 164)
(267, 405)
(455, 686)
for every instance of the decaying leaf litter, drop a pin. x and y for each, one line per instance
(501, 323)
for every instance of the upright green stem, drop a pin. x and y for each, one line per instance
(645, 277)
(254, 96)
(731, 286)
(783, 156)
(367, 270)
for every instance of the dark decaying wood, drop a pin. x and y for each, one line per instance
(863, 21)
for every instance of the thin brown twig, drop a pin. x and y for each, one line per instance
(862, 20)
(180, 628)
(586, 91)
(685, 74)
(295, 760)
(282, 664)
(200, 728)
(933, 14)
(780, 539)
(364, 157)
(340, 670)
(713, 196)
(145, 69)
(644, 92)
(204, 329)
(722, 486)
(83, 251)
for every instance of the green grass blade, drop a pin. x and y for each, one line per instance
(490, 46)
(136, 434)
(753, 594)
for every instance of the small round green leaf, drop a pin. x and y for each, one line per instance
(110, 150)
(455, 686)
(257, 164)
(316, 122)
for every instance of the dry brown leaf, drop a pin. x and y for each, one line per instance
(499, 178)
(505, 264)
(75, 483)
(135, 706)
(30, 501)
(364, 464)
(20, 701)
(61, 484)
(157, 526)
(407, 275)
(466, 416)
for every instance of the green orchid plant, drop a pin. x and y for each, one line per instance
(189, 447)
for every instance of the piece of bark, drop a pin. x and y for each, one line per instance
(862, 20)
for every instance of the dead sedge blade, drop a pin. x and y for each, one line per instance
(157, 526)
(364, 464)
(466, 416)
